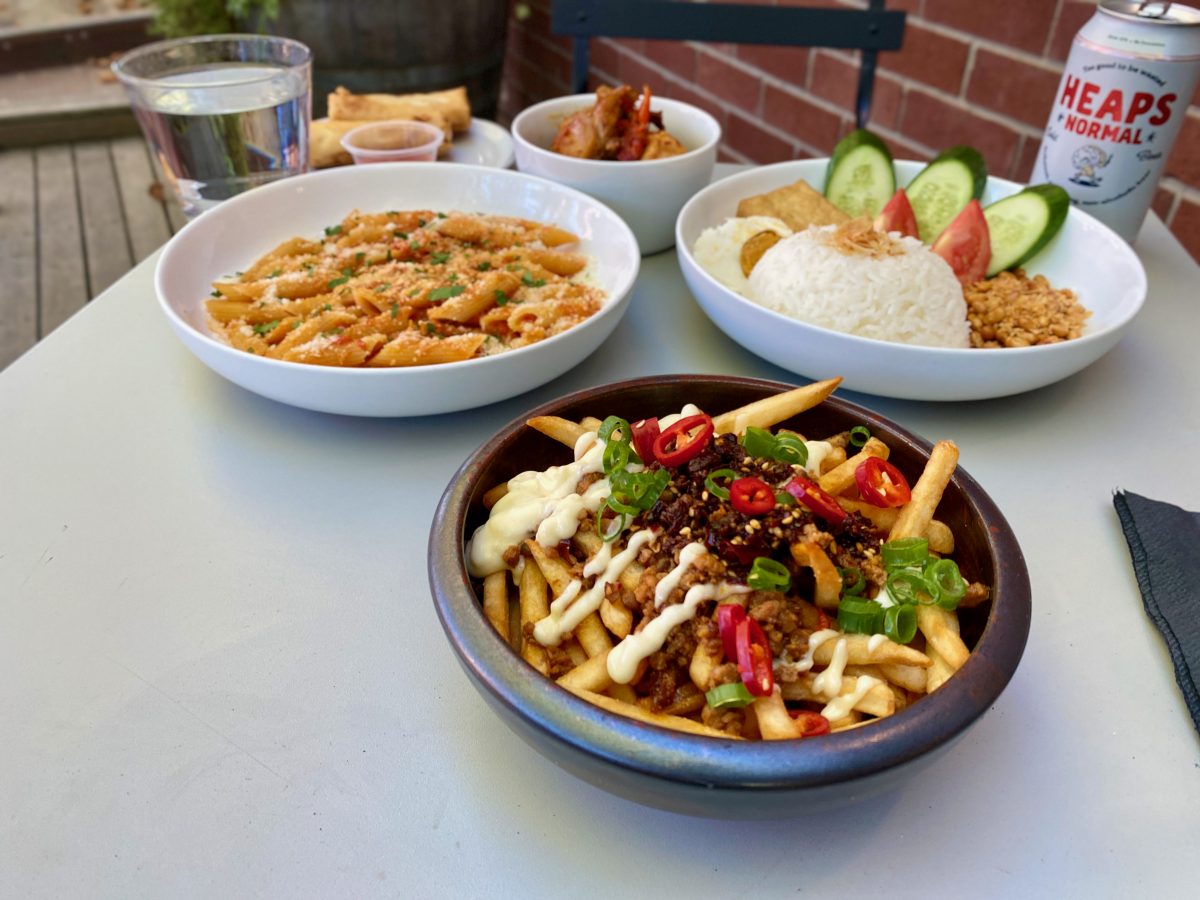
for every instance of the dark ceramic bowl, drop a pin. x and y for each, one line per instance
(709, 776)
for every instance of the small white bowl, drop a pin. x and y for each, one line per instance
(1086, 256)
(225, 239)
(648, 195)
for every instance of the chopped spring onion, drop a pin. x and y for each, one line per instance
(857, 615)
(734, 695)
(945, 576)
(710, 483)
(758, 441)
(853, 581)
(789, 448)
(905, 552)
(768, 574)
(909, 586)
(900, 623)
(616, 456)
(859, 435)
(614, 532)
(611, 424)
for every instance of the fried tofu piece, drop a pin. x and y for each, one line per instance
(796, 204)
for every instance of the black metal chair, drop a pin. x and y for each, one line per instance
(869, 30)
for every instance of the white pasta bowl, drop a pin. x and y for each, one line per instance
(1086, 256)
(231, 236)
(647, 194)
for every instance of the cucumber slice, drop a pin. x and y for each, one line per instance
(1021, 225)
(944, 187)
(860, 178)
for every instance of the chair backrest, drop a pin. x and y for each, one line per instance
(867, 30)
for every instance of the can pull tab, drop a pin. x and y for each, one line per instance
(1153, 9)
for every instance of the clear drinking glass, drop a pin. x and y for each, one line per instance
(221, 113)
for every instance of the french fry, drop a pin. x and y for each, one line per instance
(588, 676)
(841, 478)
(592, 636)
(938, 671)
(774, 409)
(562, 430)
(877, 701)
(917, 513)
(701, 667)
(493, 494)
(633, 711)
(828, 581)
(534, 607)
(774, 723)
(495, 601)
(859, 652)
(911, 678)
(616, 617)
(940, 628)
(556, 572)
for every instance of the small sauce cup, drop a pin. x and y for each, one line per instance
(393, 140)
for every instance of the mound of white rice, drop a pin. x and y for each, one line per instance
(911, 297)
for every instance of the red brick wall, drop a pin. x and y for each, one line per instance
(979, 72)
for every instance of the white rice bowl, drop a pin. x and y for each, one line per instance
(911, 297)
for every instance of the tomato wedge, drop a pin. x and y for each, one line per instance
(645, 433)
(898, 215)
(683, 440)
(882, 484)
(810, 494)
(751, 496)
(811, 723)
(966, 245)
(754, 658)
(729, 616)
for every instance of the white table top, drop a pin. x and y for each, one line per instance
(221, 672)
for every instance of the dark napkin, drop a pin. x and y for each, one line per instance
(1164, 543)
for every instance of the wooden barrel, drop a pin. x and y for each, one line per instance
(399, 47)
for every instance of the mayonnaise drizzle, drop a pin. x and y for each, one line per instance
(576, 604)
(669, 582)
(624, 659)
(815, 640)
(537, 499)
(840, 707)
(875, 641)
(829, 683)
(817, 451)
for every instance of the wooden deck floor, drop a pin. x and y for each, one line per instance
(73, 219)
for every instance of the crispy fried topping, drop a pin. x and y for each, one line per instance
(1013, 310)
(859, 237)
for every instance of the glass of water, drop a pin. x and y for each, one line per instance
(221, 113)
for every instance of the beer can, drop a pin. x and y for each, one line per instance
(1120, 104)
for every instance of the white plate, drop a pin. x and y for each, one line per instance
(1086, 256)
(484, 144)
(240, 230)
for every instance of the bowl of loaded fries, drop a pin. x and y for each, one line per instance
(728, 597)
(643, 156)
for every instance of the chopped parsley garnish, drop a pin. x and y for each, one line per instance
(445, 293)
(331, 230)
(414, 245)
(359, 256)
(338, 281)
(429, 329)
(403, 235)
(513, 267)
(380, 288)
(266, 327)
(483, 266)
(276, 273)
(501, 298)
(328, 307)
(441, 215)
(395, 310)
(441, 257)
(216, 294)
(529, 281)
(421, 222)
